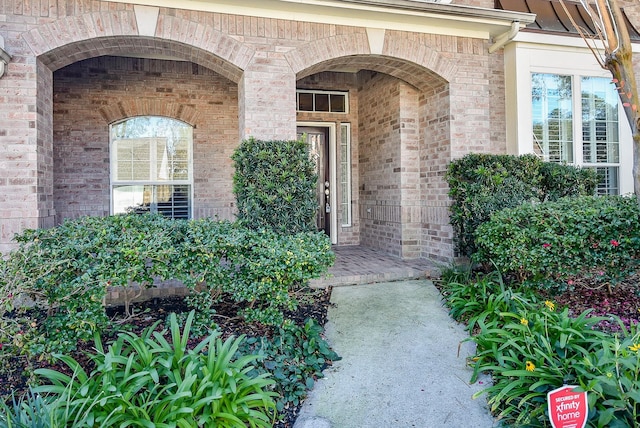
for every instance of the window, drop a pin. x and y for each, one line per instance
(345, 174)
(322, 101)
(581, 130)
(151, 166)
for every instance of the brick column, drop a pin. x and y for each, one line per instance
(267, 99)
(410, 200)
(26, 165)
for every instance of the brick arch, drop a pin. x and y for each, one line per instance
(74, 38)
(149, 107)
(408, 60)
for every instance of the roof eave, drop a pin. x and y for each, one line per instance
(420, 15)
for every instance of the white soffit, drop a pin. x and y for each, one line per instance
(404, 15)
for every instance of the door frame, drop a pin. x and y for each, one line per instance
(333, 197)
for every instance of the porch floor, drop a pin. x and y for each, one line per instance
(362, 265)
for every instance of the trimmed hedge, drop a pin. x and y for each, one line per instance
(553, 241)
(481, 184)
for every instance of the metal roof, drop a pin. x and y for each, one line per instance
(551, 17)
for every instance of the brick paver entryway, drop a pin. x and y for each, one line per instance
(362, 265)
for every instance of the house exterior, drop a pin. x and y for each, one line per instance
(108, 105)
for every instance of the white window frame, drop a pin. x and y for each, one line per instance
(113, 182)
(539, 53)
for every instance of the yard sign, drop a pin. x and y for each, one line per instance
(567, 409)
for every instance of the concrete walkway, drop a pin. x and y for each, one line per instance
(400, 365)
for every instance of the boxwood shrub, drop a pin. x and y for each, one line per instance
(552, 241)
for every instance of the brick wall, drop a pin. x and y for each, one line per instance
(435, 154)
(90, 94)
(380, 162)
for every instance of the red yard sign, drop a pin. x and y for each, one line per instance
(567, 409)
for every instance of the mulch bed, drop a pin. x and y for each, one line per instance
(622, 300)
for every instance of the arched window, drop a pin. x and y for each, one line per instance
(151, 166)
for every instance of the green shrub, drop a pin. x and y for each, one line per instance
(275, 184)
(481, 184)
(66, 270)
(559, 181)
(142, 379)
(258, 267)
(549, 242)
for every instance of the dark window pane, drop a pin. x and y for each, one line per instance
(305, 101)
(338, 104)
(322, 102)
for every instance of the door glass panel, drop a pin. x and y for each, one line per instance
(318, 153)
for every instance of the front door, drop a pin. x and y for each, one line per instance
(318, 141)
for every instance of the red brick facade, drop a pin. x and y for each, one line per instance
(417, 100)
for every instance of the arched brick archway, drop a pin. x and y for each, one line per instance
(408, 60)
(118, 111)
(119, 33)
(91, 94)
(75, 38)
(401, 134)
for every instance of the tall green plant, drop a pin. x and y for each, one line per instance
(531, 347)
(274, 184)
(529, 353)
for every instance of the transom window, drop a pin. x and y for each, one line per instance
(322, 101)
(578, 129)
(151, 166)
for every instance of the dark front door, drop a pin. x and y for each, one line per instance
(318, 141)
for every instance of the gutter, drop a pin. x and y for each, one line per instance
(506, 37)
(429, 6)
